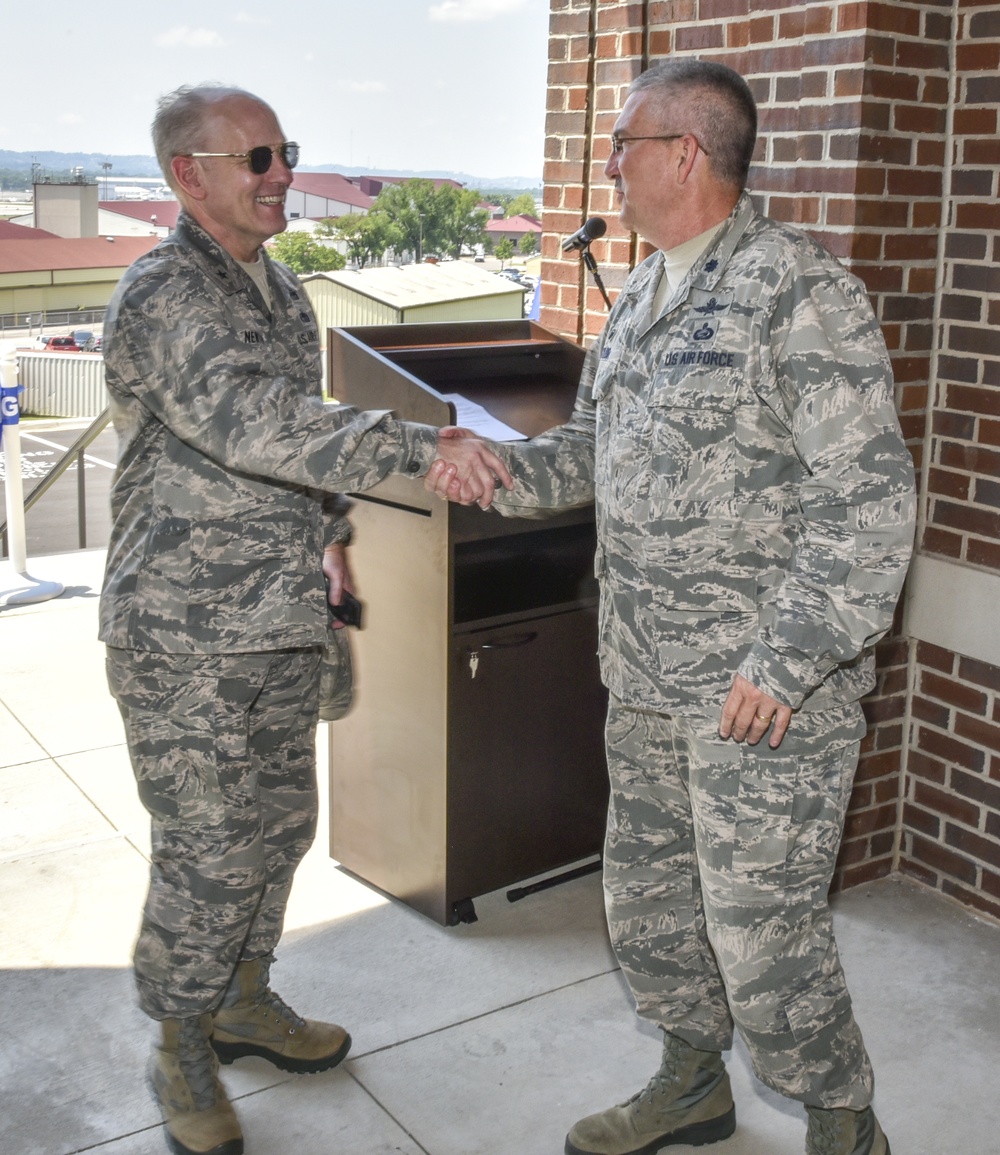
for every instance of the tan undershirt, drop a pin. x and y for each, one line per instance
(677, 263)
(258, 274)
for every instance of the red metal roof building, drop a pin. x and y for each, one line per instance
(514, 228)
(45, 275)
(322, 195)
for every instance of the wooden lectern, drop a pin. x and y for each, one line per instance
(473, 757)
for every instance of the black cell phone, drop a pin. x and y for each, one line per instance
(349, 611)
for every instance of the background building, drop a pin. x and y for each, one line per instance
(453, 291)
(40, 276)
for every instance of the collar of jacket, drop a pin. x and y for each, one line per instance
(219, 266)
(707, 271)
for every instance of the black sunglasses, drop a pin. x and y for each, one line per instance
(259, 158)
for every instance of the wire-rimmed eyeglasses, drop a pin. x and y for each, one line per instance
(618, 142)
(259, 159)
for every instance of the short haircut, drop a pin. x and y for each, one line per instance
(179, 123)
(721, 107)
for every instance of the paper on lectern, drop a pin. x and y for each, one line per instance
(471, 415)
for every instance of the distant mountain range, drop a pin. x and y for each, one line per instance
(122, 167)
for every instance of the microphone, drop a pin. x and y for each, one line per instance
(592, 229)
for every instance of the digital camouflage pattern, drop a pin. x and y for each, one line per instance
(755, 509)
(717, 864)
(227, 456)
(213, 604)
(754, 498)
(223, 749)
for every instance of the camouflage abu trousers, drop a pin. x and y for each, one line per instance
(718, 860)
(223, 749)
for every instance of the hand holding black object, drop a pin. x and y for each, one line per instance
(349, 611)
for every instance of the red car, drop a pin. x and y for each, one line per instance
(60, 345)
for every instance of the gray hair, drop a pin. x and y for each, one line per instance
(721, 108)
(179, 123)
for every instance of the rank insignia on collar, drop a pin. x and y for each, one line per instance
(711, 266)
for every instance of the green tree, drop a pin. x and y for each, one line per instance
(429, 219)
(529, 242)
(414, 209)
(302, 253)
(368, 237)
(462, 221)
(524, 203)
(504, 250)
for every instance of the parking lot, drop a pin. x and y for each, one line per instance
(51, 525)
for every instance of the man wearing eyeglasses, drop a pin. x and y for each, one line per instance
(735, 427)
(225, 522)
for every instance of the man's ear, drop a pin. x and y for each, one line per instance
(686, 157)
(188, 176)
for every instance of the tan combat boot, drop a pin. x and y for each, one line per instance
(183, 1075)
(843, 1132)
(253, 1020)
(688, 1100)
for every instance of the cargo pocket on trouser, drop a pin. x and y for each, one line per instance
(763, 831)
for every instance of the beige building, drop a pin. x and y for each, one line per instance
(67, 209)
(451, 291)
(62, 275)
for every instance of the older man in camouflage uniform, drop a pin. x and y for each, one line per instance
(213, 603)
(735, 426)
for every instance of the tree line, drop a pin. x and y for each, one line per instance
(415, 217)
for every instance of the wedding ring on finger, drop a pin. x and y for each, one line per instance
(764, 718)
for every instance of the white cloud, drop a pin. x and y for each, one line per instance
(465, 11)
(362, 86)
(71, 118)
(250, 18)
(184, 37)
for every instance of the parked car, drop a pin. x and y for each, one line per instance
(84, 338)
(58, 345)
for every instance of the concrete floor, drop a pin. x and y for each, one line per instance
(485, 1039)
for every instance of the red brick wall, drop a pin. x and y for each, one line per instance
(857, 145)
(951, 816)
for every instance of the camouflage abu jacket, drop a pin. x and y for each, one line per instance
(754, 498)
(226, 451)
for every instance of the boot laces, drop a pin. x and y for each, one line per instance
(198, 1065)
(666, 1081)
(283, 1013)
(827, 1129)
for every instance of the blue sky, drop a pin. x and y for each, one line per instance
(446, 85)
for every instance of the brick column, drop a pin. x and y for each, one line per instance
(879, 137)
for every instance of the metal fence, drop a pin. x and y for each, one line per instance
(48, 320)
(61, 384)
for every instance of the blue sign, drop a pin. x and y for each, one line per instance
(10, 411)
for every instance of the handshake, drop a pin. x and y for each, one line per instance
(466, 469)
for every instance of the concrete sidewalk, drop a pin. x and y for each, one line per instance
(482, 1039)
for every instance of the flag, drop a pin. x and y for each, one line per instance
(536, 302)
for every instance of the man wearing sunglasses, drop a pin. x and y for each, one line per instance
(735, 427)
(225, 521)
